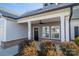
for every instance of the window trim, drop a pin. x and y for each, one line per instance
(74, 31)
(49, 32)
(54, 32)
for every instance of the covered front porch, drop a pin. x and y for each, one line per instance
(53, 26)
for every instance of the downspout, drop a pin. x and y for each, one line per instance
(71, 13)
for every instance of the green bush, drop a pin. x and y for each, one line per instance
(77, 40)
(70, 49)
(45, 46)
(66, 49)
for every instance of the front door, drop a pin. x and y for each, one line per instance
(36, 37)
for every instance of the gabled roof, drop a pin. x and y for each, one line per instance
(38, 11)
(43, 10)
(8, 13)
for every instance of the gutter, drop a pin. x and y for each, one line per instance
(71, 13)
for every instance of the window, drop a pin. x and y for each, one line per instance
(76, 28)
(51, 3)
(45, 31)
(55, 32)
(0, 15)
(46, 4)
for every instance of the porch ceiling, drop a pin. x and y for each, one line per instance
(46, 20)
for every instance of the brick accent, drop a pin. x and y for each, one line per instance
(12, 43)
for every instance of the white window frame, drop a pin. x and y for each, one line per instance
(43, 32)
(54, 32)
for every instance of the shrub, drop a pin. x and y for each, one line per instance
(75, 48)
(69, 48)
(60, 53)
(45, 46)
(30, 50)
(54, 53)
(33, 44)
(51, 53)
(65, 48)
(77, 40)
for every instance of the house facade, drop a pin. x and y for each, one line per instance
(52, 22)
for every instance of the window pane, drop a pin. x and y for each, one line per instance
(76, 28)
(56, 35)
(55, 31)
(45, 31)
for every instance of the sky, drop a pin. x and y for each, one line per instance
(21, 7)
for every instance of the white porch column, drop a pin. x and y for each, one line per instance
(29, 30)
(67, 28)
(62, 33)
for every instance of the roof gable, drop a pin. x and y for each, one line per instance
(38, 11)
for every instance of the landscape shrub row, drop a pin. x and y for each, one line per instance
(48, 48)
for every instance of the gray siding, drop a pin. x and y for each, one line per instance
(73, 24)
(74, 21)
(15, 31)
(2, 29)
